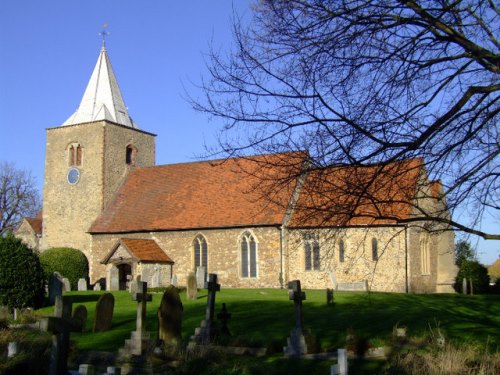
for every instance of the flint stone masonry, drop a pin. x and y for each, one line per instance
(360, 286)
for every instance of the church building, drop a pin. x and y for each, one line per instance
(104, 195)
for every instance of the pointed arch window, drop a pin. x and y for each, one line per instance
(341, 251)
(200, 249)
(312, 253)
(75, 155)
(374, 249)
(248, 255)
(425, 253)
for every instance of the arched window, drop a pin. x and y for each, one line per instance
(200, 252)
(130, 155)
(248, 255)
(75, 155)
(374, 249)
(341, 251)
(311, 252)
(425, 253)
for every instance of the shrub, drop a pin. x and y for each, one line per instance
(21, 276)
(476, 273)
(70, 263)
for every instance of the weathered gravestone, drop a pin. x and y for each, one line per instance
(55, 287)
(297, 345)
(156, 277)
(12, 349)
(192, 289)
(201, 276)
(341, 368)
(60, 325)
(224, 317)
(114, 278)
(86, 369)
(79, 318)
(104, 313)
(139, 339)
(206, 332)
(66, 285)
(4, 312)
(82, 285)
(97, 287)
(174, 281)
(170, 317)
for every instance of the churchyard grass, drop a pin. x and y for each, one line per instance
(264, 317)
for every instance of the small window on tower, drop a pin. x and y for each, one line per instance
(130, 155)
(75, 152)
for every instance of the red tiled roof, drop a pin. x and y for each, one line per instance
(146, 250)
(371, 195)
(35, 223)
(209, 194)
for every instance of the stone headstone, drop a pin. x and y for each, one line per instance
(86, 369)
(79, 318)
(334, 279)
(464, 285)
(104, 313)
(170, 317)
(82, 285)
(132, 287)
(4, 312)
(97, 287)
(341, 368)
(66, 285)
(155, 278)
(55, 287)
(145, 275)
(201, 277)
(111, 370)
(297, 345)
(174, 281)
(114, 278)
(192, 289)
(12, 349)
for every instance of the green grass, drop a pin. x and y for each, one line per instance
(264, 317)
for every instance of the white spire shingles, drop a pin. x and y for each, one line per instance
(102, 99)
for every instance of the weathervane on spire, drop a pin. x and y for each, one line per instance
(104, 34)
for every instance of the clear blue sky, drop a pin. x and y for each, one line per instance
(49, 48)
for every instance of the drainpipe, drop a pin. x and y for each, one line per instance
(406, 259)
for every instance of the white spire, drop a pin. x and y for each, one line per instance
(102, 99)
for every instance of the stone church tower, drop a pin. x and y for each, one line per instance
(87, 159)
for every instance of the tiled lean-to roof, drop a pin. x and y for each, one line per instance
(208, 194)
(142, 250)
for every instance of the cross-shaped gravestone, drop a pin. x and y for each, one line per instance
(142, 297)
(297, 295)
(60, 325)
(212, 287)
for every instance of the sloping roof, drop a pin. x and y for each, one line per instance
(102, 99)
(357, 195)
(209, 194)
(142, 250)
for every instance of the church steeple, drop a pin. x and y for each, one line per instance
(102, 99)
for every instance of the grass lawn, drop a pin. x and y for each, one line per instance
(264, 317)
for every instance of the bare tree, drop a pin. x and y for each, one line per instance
(364, 83)
(19, 197)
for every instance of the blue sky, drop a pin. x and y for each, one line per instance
(49, 48)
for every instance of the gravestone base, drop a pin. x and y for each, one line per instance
(299, 343)
(137, 345)
(204, 334)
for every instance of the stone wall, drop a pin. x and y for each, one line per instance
(386, 274)
(26, 234)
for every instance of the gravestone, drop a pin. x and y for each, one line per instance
(86, 369)
(79, 318)
(82, 285)
(206, 332)
(174, 281)
(170, 317)
(155, 278)
(60, 325)
(224, 317)
(201, 277)
(97, 287)
(191, 290)
(341, 368)
(145, 275)
(132, 287)
(139, 339)
(12, 349)
(66, 285)
(55, 287)
(334, 279)
(114, 278)
(464, 285)
(104, 313)
(297, 345)
(329, 296)
(4, 312)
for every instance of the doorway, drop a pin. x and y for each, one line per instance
(124, 275)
